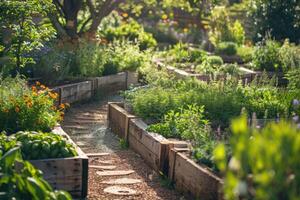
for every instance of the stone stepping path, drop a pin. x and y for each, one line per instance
(97, 154)
(115, 173)
(120, 191)
(104, 167)
(122, 181)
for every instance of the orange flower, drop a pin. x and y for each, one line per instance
(125, 15)
(53, 95)
(62, 106)
(33, 88)
(17, 109)
(43, 86)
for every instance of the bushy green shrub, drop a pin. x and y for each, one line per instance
(266, 56)
(132, 31)
(222, 100)
(24, 181)
(24, 108)
(289, 56)
(264, 164)
(226, 48)
(210, 65)
(245, 52)
(186, 123)
(182, 53)
(221, 28)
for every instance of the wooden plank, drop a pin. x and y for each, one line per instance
(194, 179)
(146, 154)
(151, 141)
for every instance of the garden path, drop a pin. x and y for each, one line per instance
(112, 169)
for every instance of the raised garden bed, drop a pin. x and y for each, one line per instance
(69, 174)
(161, 154)
(84, 90)
(247, 75)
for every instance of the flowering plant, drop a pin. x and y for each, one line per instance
(25, 108)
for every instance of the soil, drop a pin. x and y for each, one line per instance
(87, 126)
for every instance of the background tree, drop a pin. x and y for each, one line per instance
(281, 18)
(22, 30)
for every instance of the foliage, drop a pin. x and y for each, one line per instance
(187, 123)
(245, 52)
(36, 146)
(226, 48)
(24, 181)
(210, 65)
(181, 52)
(222, 100)
(266, 56)
(91, 60)
(289, 55)
(293, 76)
(55, 65)
(20, 37)
(264, 164)
(280, 18)
(132, 31)
(271, 56)
(24, 108)
(221, 28)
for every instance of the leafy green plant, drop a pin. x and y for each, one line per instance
(123, 144)
(36, 146)
(25, 34)
(266, 56)
(186, 123)
(245, 52)
(221, 28)
(210, 65)
(20, 180)
(289, 56)
(24, 108)
(226, 48)
(264, 164)
(132, 31)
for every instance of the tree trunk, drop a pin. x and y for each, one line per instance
(71, 9)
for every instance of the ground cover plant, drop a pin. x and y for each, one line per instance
(27, 108)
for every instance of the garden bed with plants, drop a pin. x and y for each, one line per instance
(28, 118)
(200, 113)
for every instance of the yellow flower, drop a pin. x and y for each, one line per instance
(185, 30)
(43, 86)
(29, 104)
(164, 16)
(125, 15)
(37, 83)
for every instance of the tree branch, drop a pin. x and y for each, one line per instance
(84, 25)
(57, 25)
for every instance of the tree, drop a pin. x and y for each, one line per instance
(76, 18)
(23, 29)
(281, 18)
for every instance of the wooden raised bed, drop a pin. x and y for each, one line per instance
(85, 90)
(191, 178)
(163, 155)
(69, 174)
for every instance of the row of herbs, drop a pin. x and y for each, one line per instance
(201, 112)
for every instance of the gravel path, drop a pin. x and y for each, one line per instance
(87, 126)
